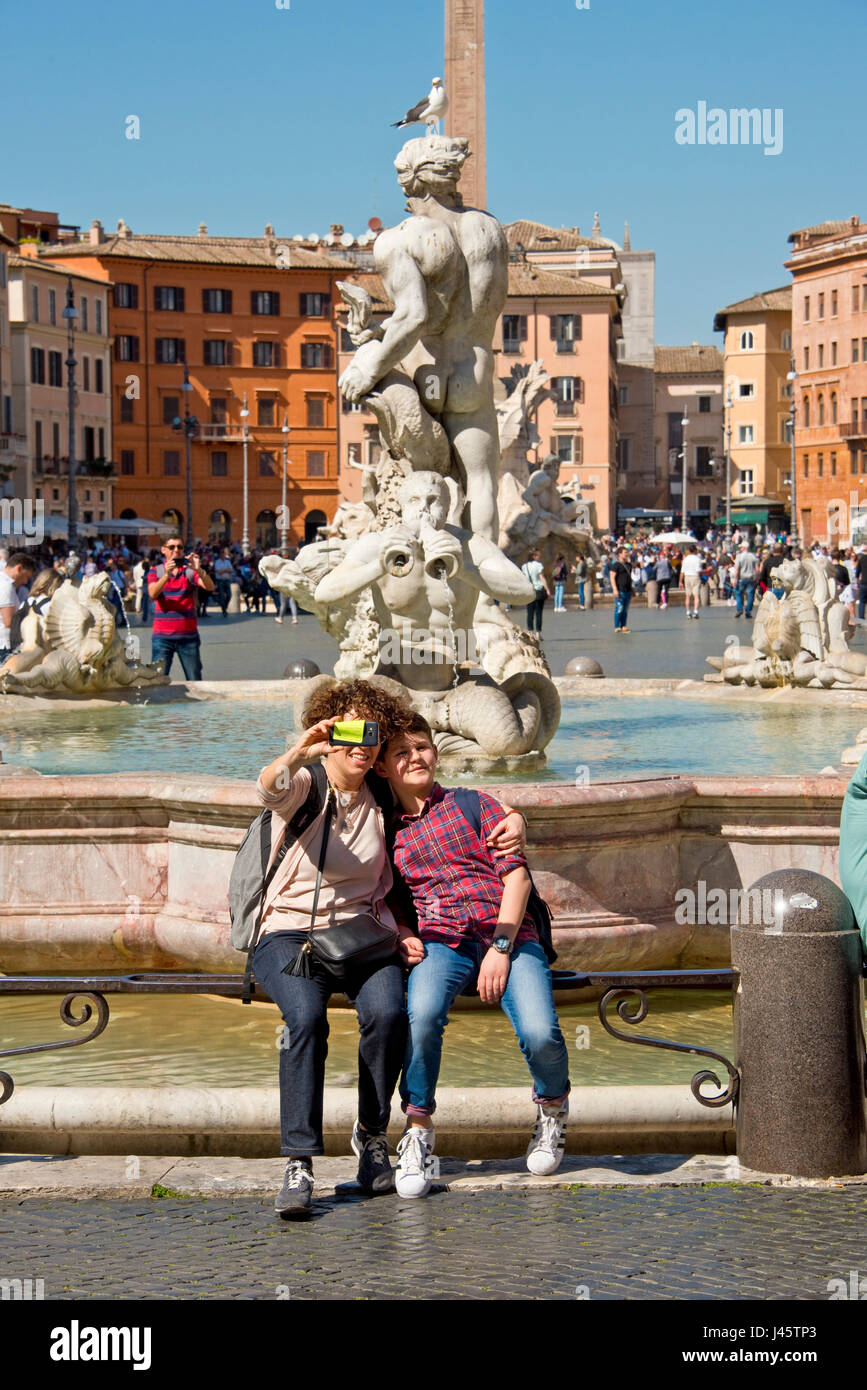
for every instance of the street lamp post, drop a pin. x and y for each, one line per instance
(729, 406)
(284, 520)
(70, 313)
(190, 426)
(792, 378)
(245, 538)
(683, 424)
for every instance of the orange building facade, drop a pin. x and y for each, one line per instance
(829, 339)
(251, 321)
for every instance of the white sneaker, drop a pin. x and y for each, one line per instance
(416, 1165)
(546, 1148)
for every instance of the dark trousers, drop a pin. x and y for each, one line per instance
(224, 594)
(187, 648)
(377, 992)
(862, 599)
(534, 611)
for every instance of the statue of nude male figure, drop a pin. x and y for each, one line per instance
(446, 271)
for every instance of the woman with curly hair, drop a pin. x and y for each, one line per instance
(356, 878)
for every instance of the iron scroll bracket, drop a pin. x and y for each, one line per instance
(90, 1001)
(632, 1006)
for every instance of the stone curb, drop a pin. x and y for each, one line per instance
(39, 1177)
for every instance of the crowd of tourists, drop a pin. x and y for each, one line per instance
(172, 587)
(735, 571)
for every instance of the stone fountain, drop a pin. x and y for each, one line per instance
(413, 581)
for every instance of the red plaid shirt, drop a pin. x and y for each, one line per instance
(454, 880)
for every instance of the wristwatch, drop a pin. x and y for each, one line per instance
(503, 945)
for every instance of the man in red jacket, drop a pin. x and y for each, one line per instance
(173, 588)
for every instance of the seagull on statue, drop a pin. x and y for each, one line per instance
(429, 111)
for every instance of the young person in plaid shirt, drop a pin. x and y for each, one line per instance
(474, 928)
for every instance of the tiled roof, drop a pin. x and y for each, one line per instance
(767, 299)
(687, 360)
(525, 281)
(531, 280)
(375, 288)
(535, 236)
(202, 250)
(38, 263)
(823, 230)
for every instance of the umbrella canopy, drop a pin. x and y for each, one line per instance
(125, 526)
(675, 538)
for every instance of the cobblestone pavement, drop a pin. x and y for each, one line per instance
(693, 1244)
(661, 643)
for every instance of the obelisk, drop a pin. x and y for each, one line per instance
(465, 88)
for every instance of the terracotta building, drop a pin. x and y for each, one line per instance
(829, 329)
(40, 397)
(251, 321)
(757, 356)
(13, 444)
(689, 385)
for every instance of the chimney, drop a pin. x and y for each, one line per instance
(96, 233)
(627, 240)
(203, 229)
(337, 229)
(597, 226)
(123, 230)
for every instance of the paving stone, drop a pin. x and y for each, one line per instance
(689, 1243)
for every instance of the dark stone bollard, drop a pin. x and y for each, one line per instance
(301, 669)
(704, 596)
(799, 1042)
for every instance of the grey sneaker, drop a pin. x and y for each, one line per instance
(295, 1198)
(375, 1173)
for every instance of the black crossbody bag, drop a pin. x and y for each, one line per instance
(362, 940)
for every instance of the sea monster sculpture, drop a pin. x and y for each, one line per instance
(75, 647)
(798, 639)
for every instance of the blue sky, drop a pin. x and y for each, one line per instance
(250, 114)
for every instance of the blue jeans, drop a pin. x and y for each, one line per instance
(187, 648)
(559, 592)
(581, 583)
(621, 609)
(528, 1003)
(745, 593)
(377, 994)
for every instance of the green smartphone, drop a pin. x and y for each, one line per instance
(355, 733)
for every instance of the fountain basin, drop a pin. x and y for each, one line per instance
(125, 871)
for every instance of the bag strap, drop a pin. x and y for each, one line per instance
(303, 817)
(326, 830)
